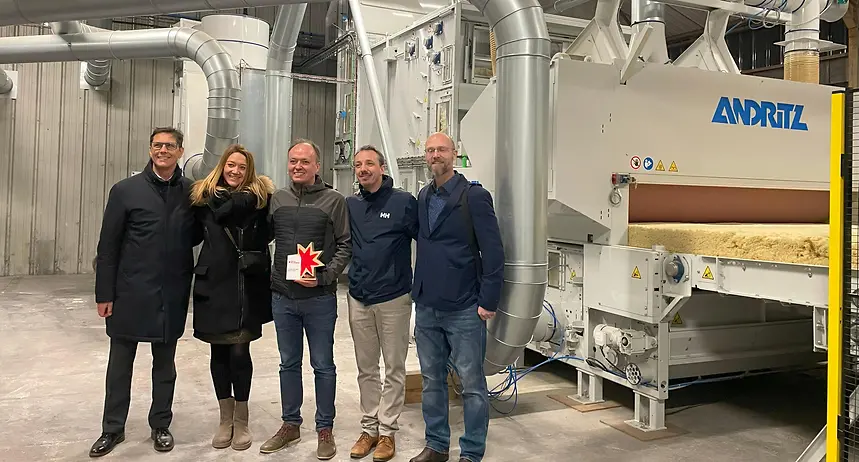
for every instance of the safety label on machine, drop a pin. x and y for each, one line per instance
(677, 321)
(660, 167)
(635, 162)
(572, 274)
(648, 163)
(673, 167)
(636, 274)
(707, 274)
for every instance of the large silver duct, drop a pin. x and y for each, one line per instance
(521, 172)
(97, 70)
(181, 42)
(278, 90)
(375, 91)
(40, 11)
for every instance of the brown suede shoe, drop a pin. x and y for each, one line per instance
(325, 449)
(286, 435)
(428, 455)
(364, 445)
(385, 450)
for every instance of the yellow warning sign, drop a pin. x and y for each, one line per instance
(636, 274)
(572, 274)
(707, 273)
(677, 321)
(673, 167)
(660, 167)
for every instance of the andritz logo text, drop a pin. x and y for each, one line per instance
(762, 113)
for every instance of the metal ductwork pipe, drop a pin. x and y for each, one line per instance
(521, 172)
(366, 53)
(6, 83)
(223, 78)
(40, 11)
(647, 12)
(278, 90)
(97, 70)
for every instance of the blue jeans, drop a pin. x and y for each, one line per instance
(316, 316)
(461, 337)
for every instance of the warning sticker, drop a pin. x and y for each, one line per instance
(660, 167)
(707, 273)
(572, 274)
(636, 274)
(673, 167)
(677, 321)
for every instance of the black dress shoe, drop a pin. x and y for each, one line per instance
(106, 443)
(428, 455)
(163, 439)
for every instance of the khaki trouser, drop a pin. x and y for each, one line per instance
(381, 328)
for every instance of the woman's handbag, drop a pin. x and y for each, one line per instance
(250, 261)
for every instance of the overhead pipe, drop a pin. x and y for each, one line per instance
(97, 70)
(375, 91)
(521, 172)
(14, 12)
(222, 77)
(278, 90)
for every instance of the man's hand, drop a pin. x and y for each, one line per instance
(105, 309)
(485, 314)
(307, 282)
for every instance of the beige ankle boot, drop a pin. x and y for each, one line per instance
(224, 434)
(241, 433)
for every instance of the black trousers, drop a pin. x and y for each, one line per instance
(118, 384)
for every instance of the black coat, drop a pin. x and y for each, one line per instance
(145, 257)
(226, 298)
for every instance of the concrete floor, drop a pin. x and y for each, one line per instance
(53, 350)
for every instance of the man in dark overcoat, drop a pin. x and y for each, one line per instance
(144, 266)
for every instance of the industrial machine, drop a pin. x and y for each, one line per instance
(683, 236)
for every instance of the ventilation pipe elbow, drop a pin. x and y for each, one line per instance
(181, 42)
(222, 128)
(521, 172)
(278, 89)
(6, 83)
(97, 70)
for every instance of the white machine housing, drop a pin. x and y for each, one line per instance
(643, 318)
(432, 72)
(668, 125)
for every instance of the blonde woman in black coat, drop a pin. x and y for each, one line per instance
(232, 298)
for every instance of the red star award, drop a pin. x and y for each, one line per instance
(303, 264)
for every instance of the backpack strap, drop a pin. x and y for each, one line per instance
(472, 236)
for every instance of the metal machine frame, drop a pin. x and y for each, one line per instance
(642, 318)
(838, 439)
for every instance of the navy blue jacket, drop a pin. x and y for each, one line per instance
(382, 225)
(449, 274)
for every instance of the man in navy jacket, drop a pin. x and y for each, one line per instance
(383, 221)
(458, 277)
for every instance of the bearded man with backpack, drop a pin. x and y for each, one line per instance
(459, 272)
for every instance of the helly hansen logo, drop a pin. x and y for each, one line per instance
(384, 215)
